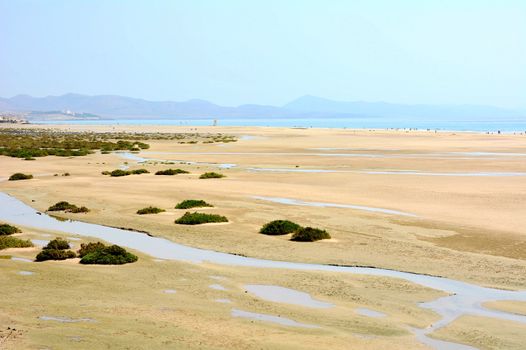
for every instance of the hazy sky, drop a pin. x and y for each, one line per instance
(269, 52)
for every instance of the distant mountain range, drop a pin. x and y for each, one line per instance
(116, 107)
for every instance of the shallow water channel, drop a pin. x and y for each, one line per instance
(463, 299)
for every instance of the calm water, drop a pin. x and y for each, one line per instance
(358, 123)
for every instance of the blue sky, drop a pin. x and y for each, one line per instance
(268, 52)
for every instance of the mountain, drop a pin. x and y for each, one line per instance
(383, 109)
(119, 106)
(112, 106)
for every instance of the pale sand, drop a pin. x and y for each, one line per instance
(468, 228)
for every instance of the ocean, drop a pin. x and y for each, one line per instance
(504, 125)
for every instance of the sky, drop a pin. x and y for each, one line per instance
(234, 52)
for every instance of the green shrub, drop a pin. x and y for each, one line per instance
(199, 218)
(14, 242)
(192, 203)
(57, 244)
(86, 248)
(55, 254)
(6, 229)
(119, 172)
(79, 210)
(171, 172)
(112, 255)
(150, 210)
(211, 175)
(309, 234)
(279, 227)
(140, 171)
(60, 206)
(67, 207)
(20, 176)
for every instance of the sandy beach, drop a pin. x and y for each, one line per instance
(446, 204)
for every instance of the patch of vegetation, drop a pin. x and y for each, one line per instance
(20, 176)
(309, 234)
(67, 207)
(279, 227)
(120, 172)
(199, 218)
(171, 172)
(100, 254)
(55, 254)
(6, 229)
(56, 249)
(28, 144)
(86, 248)
(211, 175)
(192, 203)
(58, 244)
(140, 171)
(14, 242)
(150, 210)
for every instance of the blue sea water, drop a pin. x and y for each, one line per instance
(505, 125)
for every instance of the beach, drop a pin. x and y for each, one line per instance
(444, 203)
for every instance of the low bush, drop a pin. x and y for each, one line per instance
(55, 254)
(14, 242)
(171, 172)
(199, 218)
(119, 172)
(86, 248)
(59, 206)
(192, 203)
(79, 210)
(6, 230)
(56, 249)
(279, 227)
(211, 175)
(309, 234)
(139, 171)
(20, 176)
(112, 255)
(67, 207)
(150, 210)
(57, 244)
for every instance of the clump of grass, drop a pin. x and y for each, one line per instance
(140, 171)
(86, 248)
(309, 234)
(279, 227)
(14, 242)
(211, 175)
(20, 176)
(171, 172)
(67, 207)
(82, 209)
(56, 249)
(120, 172)
(192, 203)
(199, 218)
(150, 210)
(100, 254)
(55, 254)
(6, 229)
(58, 244)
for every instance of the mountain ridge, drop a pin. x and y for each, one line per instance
(306, 106)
